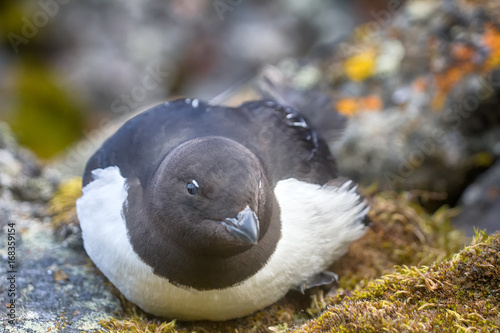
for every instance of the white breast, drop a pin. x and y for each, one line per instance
(318, 224)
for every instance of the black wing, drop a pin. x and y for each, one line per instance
(280, 137)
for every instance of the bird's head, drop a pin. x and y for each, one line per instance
(210, 196)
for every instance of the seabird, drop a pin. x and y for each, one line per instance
(202, 212)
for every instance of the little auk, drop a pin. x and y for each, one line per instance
(202, 212)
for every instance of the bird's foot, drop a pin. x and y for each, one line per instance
(321, 279)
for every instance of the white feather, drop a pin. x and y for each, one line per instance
(318, 224)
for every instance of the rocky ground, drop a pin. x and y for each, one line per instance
(51, 285)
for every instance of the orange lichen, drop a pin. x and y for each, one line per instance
(347, 106)
(447, 80)
(462, 52)
(371, 103)
(60, 275)
(491, 39)
(421, 84)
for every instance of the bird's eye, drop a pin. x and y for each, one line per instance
(192, 187)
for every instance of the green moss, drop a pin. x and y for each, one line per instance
(458, 295)
(10, 19)
(44, 117)
(402, 233)
(137, 325)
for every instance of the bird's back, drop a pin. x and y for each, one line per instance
(279, 136)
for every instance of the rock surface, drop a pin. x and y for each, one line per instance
(53, 286)
(480, 203)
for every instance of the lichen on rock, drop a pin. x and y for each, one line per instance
(62, 210)
(56, 287)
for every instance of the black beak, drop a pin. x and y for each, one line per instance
(244, 227)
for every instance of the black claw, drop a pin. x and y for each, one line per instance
(321, 279)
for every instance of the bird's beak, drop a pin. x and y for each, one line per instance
(245, 227)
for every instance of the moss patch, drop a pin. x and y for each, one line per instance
(402, 233)
(118, 326)
(459, 295)
(44, 117)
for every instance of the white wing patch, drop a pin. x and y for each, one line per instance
(318, 224)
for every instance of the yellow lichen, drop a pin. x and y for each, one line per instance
(491, 39)
(62, 207)
(360, 66)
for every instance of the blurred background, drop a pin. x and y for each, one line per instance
(64, 64)
(416, 83)
(418, 80)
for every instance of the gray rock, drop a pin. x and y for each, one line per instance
(481, 203)
(21, 173)
(473, 109)
(401, 152)
(54, 287)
